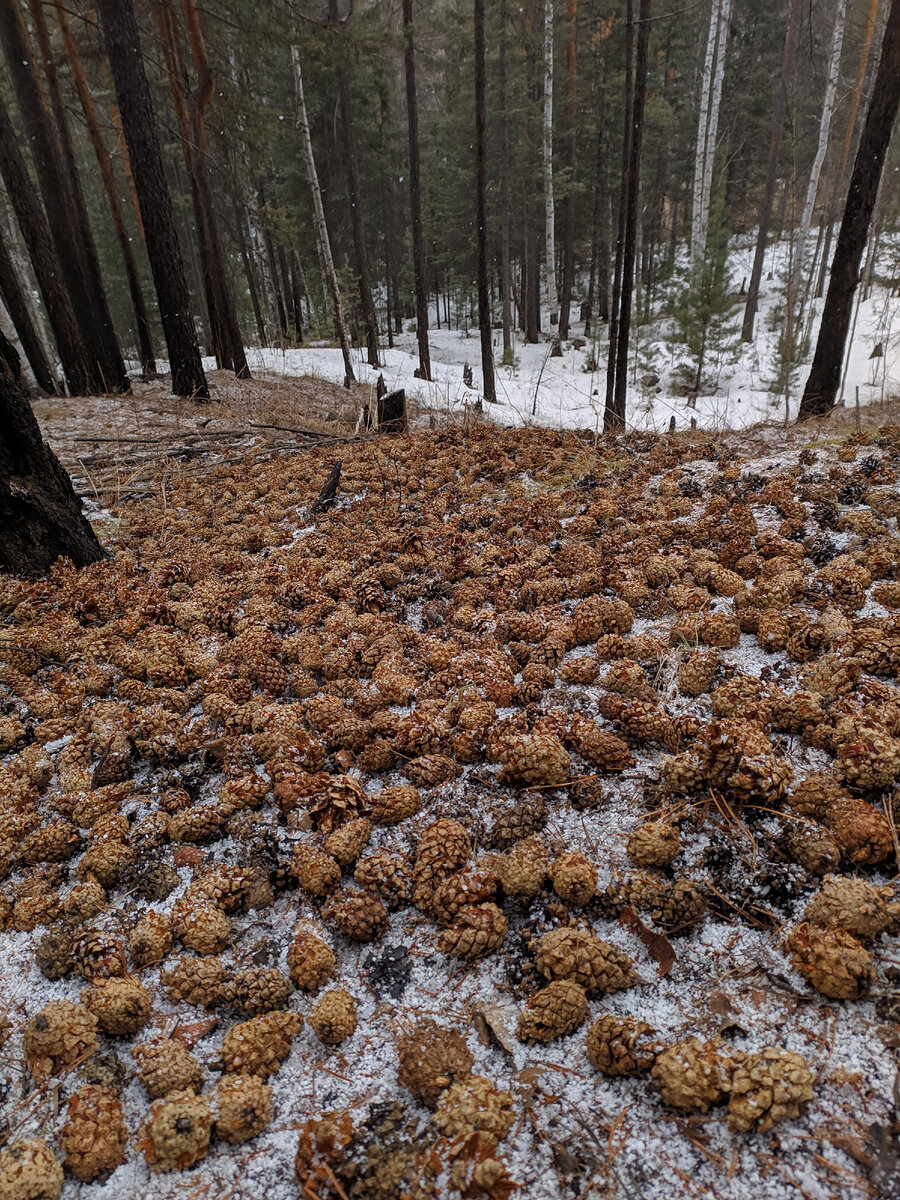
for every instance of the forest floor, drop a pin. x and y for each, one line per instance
(674, 658)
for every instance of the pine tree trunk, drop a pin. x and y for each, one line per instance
(549, 206)
(40, 515)
(484, 303)
(240, 233)
(123, 47)
(19, 313)
(824, 377)
(415, 200)
(271, 265)
(610, 418)
(505, 263)
(632, 217)
(42, 252)
(297, 294)
(765, 211)
(572, 152)
(61, 193)
(104, 162)
(319, 211)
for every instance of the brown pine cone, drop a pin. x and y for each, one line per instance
(98, 954)
(310, 961)
(833, 961)
(622, 1045)
(474, 1107)
(768, 1086)
(599, 747)
(59, 1036)
(853, 905)
(333, 1019)
(693, 1075)
(176, 1133)
(260, 1045)
(813, 847)
(428, 770)
(54, 842)
(202, 823)
(815, 795)
(317, 872)
(555, 1011)
(225, 887)
(395, 803)
(479, 929)
(681, 773)
(579, 955)
(474, 884)
(120, 1005)
(106, 861)
(862, 832)
(531, 759)
(94, 1136)
(347, 843)
(762, 779)
(195, 981)
(444, 847)
(431, 1059)
(200, 925)
(338, 798)
(525, 818)
(681, 906)
(54, 955)
(259, 989)
(359, 916)
(151, 939)
(653, 844)
(387, 874)
(84, 902)
(573, 877)
(29, 1171)
(167, 1066)
(522, 871)
(242, 1105)
(870, 761)
(697, 672)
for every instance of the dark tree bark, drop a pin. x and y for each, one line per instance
(290, 301)
(484, 303)
(617, 417)
(48, 273)
(609, 416)
(142, 323)
(20, 315)
(297, 293)
(825, 374)
(568, 274)
(765, 211)
(240, 234)
(272, 266)
(40, 515)
(505, 263)
(61, 193)
(123, 47)
(415, 198)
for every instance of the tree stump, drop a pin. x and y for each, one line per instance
(392, 412)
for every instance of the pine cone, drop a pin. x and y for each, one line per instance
(176, 1133)
(59, 1036)
(443, 848)
(531, 759)
(479, 929)
(697, 672)
(311, 963)
(428, 770)
(121, 1005)
(167, 1066)
(763, 779)
(431, 1059)
(862, 832)
(522, 871)
(195, 981)
(581, 956)
(387, 874)
(681, 906)
(472, 885)
(260, 1045)
(347, 843)
(473, 1107)
(653, 844)
(151, 939)
(555, 1011)
(28, 1171)
(200, 925)
(360, 916)
(316, 872)
(54, 955)
(813, 847)
(681, 773)
(395, 804)
(201, 823)
(768, 1086)
(242, 1105)
(98, 954)
(573, 877)
(519, 822)
(693, 1075)
(815, 795)
(853, 905)
(259, 989)
(106, 861)
(54, 842)
(598, 747)
(94, 1136)
(871, 761)
(622, 1045)
(84, 902)
(833, 961)
(336, 799)
(333, 1019)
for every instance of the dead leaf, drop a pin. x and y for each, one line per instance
(344, 759)
(495, 1022)
(658, 944)
(190, 1035)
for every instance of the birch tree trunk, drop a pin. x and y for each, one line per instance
(568, 281)
(505, 267)
(702, 129)
(710, 127)
(319, 211)
(549, 209)
(415, 199)
(484, 303)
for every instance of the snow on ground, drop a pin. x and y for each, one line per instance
(561, 393)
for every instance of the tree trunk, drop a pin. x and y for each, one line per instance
(240, 234)
(104, 162)
(824, 377)
(572, 151)
(319, 211)
(632, 214)
(271, 265)
(609, 414)
(707, 133)
(484, 303)
(123, 47)
(415, 195)
(505, 264)
(765, 211)
(19, 313)
(60, 189)
(40, 515)
(41, 250)
(297, 293)
(549, 207)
